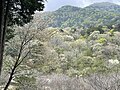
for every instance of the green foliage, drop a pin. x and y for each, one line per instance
(92, 29)
(94, 15)
(9, 34)
(23, 11)
(87, 65)
(88, 52)
(111, 32)
(20, 13)
(102, 40)
(72, 51)
(82, 56)
(25, 82)
(59, 50)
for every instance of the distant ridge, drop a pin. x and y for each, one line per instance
(68, 8)
(104, 4)
(93, 15)
(101, 4)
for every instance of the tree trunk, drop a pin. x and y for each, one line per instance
(2, 6)
(10, 78)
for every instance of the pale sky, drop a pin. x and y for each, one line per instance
(52, 5)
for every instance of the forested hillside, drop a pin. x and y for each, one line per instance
(71, 48)
(94, 15)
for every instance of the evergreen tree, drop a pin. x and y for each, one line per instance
(15, 12)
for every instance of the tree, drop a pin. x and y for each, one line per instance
(22, 55)
(18, 49)
(16, 12)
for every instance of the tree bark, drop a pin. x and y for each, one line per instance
(10, 78)
(2, 6)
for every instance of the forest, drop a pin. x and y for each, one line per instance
(71, 48)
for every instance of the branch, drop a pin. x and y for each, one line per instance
(23, 58)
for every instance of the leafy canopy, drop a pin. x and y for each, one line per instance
(21, 11)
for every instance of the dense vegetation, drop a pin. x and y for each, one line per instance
(95, 14)
(84, 55)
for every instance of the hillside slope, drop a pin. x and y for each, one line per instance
(96, 14)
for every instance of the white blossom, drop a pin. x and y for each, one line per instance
(114, 61)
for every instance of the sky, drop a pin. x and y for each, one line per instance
(52, 5)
